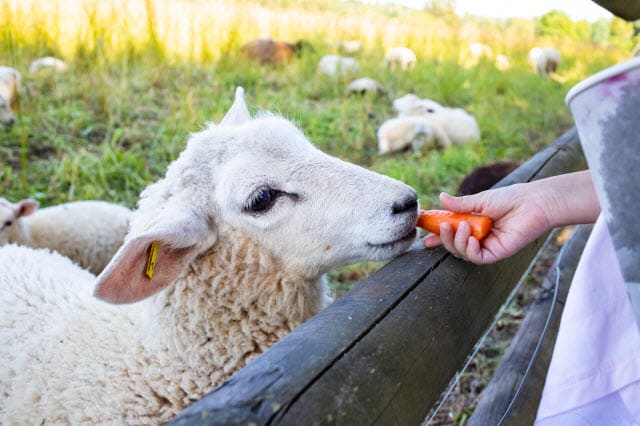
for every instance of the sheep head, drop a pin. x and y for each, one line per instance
(262, 177)
(9, 215)
(7, 117)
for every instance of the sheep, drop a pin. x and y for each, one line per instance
(88, 232)
(336, 65)
(272, 51)
(402, 56)
(364, 85)
(502, 62)
(411, 104)
(474, 53)
(545, 61)
(225, 256)
(47, 62)
(350, 47)
(400, 133)
(484, 177)
(459, 126)
(10, 84)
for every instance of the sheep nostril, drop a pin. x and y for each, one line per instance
(408, 204)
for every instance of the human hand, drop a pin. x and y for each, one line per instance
(519, 216)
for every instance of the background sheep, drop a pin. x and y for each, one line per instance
(402, 56)
(474, 53)
(400, 133)
(459, 126)
(336, 65)
(364, 85)
(349, 47)
(502, 62)
(245, 222)
(272, 51)
(9, 93)
(48, 62)
(546, 61)
(87, 232)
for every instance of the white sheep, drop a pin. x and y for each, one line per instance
(47, 62)
(87, 232)
(336, 65)
(411, 104)
(225, 256)
(10, 85)
(545, 61)
(364, 85)
(502, 62)
(402, 56)
(350, 47)
(474, 53)
(459, 126)
(400, 133)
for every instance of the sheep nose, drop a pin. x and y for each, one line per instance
(409, 204)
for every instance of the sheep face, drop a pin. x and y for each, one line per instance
(7, 118)
(10, 213)
(262, 177)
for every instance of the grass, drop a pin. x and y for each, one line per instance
(143, 74)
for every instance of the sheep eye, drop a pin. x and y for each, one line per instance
(262, 200)
(7, 223)
(430, 110)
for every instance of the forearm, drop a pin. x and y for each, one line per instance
(568, 199)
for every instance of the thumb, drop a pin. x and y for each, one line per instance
(464, 204)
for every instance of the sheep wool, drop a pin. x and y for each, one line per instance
(87, 232)
(10, 83)
(400, 133)
(240, 238)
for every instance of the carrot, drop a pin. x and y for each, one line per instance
(431, 220)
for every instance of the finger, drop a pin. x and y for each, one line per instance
(474, 251)
(461, 238)
(447, 238)
(464, 204)
(431, 241)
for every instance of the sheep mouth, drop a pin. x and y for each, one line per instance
(407, 238)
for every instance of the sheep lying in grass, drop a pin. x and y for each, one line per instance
(272, 51)
(224, 257)
(459, 126)
(9, 93)
(400, 133)
(349, 47)
(546, 61)
(364, 85)
(87, 232)
(48, 62)
(336, 65)
(400, 56)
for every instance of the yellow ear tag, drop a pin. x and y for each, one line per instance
(151, 260)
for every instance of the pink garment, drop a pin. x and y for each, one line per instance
(594, 375)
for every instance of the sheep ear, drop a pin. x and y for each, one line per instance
(26, 207)
(238, 113)
(148, 262)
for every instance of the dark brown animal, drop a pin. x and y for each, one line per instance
(269, 51)
(484, 177)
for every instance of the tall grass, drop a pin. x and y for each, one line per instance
(145, 73)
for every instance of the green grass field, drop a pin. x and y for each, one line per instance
(143, 74)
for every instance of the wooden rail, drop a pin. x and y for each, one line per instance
(384, 352)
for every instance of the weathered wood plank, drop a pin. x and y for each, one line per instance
(513, 395)
(383, 352)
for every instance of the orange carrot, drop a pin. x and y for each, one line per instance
(431, 220)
